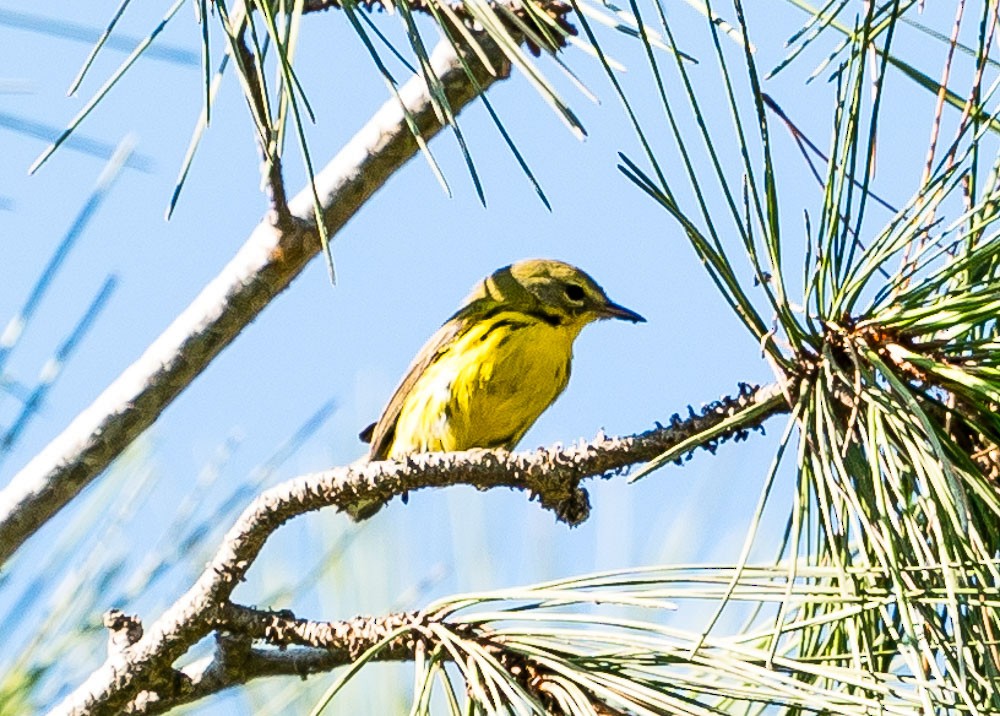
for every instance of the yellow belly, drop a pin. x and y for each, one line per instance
(488, 388)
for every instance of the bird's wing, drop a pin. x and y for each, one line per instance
(381, 433)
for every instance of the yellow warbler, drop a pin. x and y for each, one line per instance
(493, 367)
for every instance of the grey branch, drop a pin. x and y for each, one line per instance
(304, 648)
(552, 475)
(273, 255)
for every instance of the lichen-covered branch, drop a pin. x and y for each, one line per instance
(274, 254)
(552, 475)
(302, 647)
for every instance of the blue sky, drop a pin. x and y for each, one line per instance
(404, 262)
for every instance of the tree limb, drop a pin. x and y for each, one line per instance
(275, 253)
(550, 475)
(305, 647)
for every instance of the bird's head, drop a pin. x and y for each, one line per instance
(554, 287)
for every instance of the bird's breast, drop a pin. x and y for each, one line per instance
(488, 387)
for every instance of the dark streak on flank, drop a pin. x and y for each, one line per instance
(495, 311)
(504, 340)
(504, 322)
(549, 318)
(536, 313)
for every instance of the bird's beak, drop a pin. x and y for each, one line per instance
(613, 310)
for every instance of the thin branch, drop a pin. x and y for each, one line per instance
(264, 266)
(344, 640)
(305, 647)
(550, 475)
(236, 663)
(270, 155)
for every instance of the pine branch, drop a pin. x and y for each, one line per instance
(275, 253)
(516, 16)
(552, 475)
(269, 155)
(303, 647)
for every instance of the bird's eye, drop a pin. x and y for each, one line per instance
(574, 292)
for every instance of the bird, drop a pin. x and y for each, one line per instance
(495, 365)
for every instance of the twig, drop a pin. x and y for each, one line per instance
(306, 647)
(270, 157)
(237, 661)
(263, 267)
